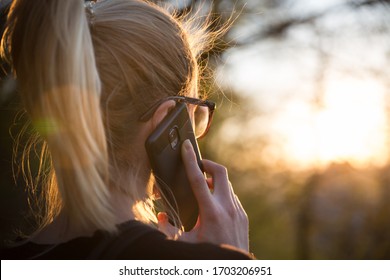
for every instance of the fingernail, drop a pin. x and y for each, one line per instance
(161, 217)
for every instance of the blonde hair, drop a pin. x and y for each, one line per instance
(85, 77)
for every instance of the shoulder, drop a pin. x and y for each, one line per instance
(135, 241)
(163, 248)
(156, 245)
(75, 249)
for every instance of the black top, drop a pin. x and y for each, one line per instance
(134, 241)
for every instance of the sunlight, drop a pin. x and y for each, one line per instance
(351, 126)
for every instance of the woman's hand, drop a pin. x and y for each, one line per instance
(222, 219)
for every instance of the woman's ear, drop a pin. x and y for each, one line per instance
(161, 112)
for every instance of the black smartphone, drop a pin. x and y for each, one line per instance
(163, 147)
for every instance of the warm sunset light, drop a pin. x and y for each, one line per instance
(312, 108)
(349, 126)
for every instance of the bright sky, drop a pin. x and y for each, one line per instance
(351, 122)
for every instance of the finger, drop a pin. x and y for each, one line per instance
(235, 199)
(239, 209)
(220, 180)
(165, 227)
(210, 184)
(238, 204)
(195, 176)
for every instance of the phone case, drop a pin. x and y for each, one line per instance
(164, 150)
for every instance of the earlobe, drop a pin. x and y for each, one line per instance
(161, 112)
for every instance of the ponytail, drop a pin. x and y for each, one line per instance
(49, 45)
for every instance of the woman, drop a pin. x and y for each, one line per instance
(86, 74)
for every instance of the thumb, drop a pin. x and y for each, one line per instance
(165, 227)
